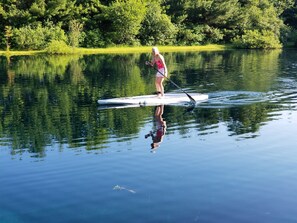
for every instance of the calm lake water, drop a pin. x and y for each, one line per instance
(233, 158)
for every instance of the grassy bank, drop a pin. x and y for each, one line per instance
(121, 50)
(19, 53)
(145, 49)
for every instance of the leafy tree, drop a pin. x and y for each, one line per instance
(94, 38)
(216, 20)
(91, 15)
(156, 27)
(290, 19)
(75, 33)
(8, 35)
(38, 9)
(282, 5)
(185, 22)
(124, 17)
(290, 16)
(202, 21)
(177, 10)
(61, 11)
(2, 25)
(14, 13)
(260, 26)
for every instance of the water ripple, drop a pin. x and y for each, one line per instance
(225, 99)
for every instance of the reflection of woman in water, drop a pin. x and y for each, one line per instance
(158, 134)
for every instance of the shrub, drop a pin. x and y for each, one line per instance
(59, 47)
(190, 37)
(254, 39)
(94, 39)
(37, 37)
(29, 37)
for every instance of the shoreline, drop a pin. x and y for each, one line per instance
(121, 50)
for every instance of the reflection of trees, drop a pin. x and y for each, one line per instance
(48, 99)
(41, 66)
(239, 120)
(45, 102)
(116, 75)
(126, 122)
(246, 119)
(226, 70)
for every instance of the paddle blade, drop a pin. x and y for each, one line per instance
(191, 99)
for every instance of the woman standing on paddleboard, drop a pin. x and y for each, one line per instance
(158, 59)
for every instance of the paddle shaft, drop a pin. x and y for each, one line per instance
(189, 96)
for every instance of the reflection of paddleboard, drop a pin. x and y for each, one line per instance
(152, 100)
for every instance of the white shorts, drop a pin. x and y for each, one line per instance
(161, 70)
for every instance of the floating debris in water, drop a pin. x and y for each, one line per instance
(117, 187)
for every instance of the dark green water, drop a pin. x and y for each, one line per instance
(232, 159)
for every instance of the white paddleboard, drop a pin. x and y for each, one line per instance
(151, 100)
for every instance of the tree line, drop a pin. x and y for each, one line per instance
(58, 24)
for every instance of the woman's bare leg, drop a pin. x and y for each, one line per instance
(159, 85)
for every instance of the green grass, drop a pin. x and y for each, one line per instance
(144, 49)
(125, 49)
(16, 53)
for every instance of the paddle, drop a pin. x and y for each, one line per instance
(189, 96)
